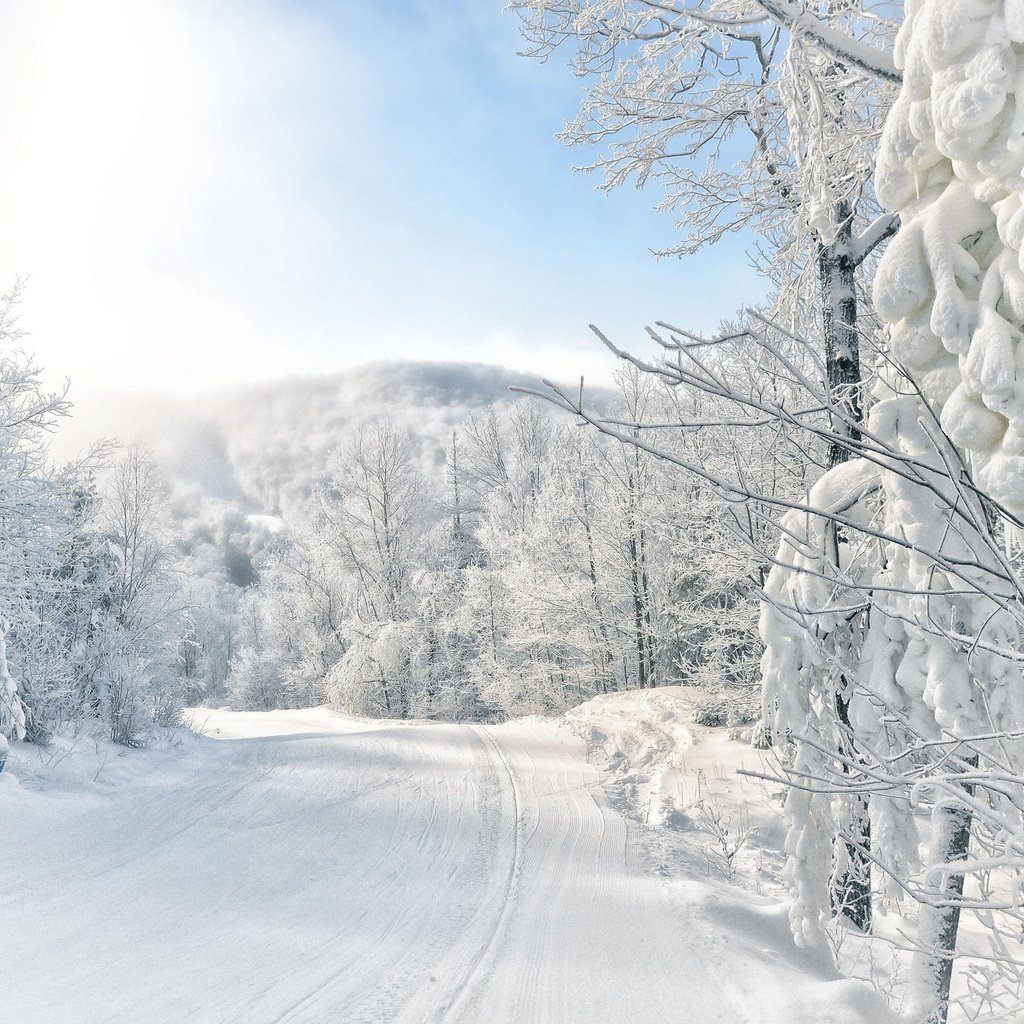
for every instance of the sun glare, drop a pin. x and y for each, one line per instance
(87, 89)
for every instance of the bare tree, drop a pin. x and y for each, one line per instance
(372, 519)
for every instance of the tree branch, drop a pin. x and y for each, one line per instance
(839, 44)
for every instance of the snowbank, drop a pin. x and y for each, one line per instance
(667, 771)
(86, 763)
(716, 837)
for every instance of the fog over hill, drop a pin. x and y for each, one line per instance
(259, 449)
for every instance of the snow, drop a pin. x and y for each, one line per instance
(304, 866)
(951, 284)
(272, 524)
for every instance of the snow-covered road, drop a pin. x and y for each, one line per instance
(310, 868)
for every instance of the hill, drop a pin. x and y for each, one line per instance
(259, 449)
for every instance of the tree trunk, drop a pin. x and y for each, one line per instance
(938, 926)
(837, 270)
(638, 613)
(851, 886)
(605, 674)
(635, 547)
(851, 890)
(648, 625)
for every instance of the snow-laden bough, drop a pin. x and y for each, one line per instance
(915, 621)
(951, 284)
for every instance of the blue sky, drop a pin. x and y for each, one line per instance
(206, 194)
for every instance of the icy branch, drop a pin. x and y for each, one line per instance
(838, 44)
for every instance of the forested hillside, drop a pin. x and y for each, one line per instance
(262, 448)
(417, 539)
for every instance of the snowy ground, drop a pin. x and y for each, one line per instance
(306, 867)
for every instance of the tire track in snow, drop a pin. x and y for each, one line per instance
(331, 984)
(378, 989)
(564, 848)
(482, 963)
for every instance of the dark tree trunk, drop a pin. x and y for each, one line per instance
(851, 888)
(638, 615)
(648, 624)
(837, 266)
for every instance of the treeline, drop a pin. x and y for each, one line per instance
(105, 618)
(87, 605)
(542, 565)
(531, 565)
(112, 615)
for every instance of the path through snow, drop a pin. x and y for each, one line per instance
(303, 867)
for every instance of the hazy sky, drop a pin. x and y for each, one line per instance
(208, 191)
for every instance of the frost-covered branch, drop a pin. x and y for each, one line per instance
(801, 22)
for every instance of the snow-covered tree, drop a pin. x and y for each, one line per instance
(371, 518)
(952, 290)
(758, 113)
(30, 510)
(137, 680)
(907, 545)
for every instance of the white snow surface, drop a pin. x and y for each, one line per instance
(303, 866)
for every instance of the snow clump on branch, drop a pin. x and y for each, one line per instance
(952, 282)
